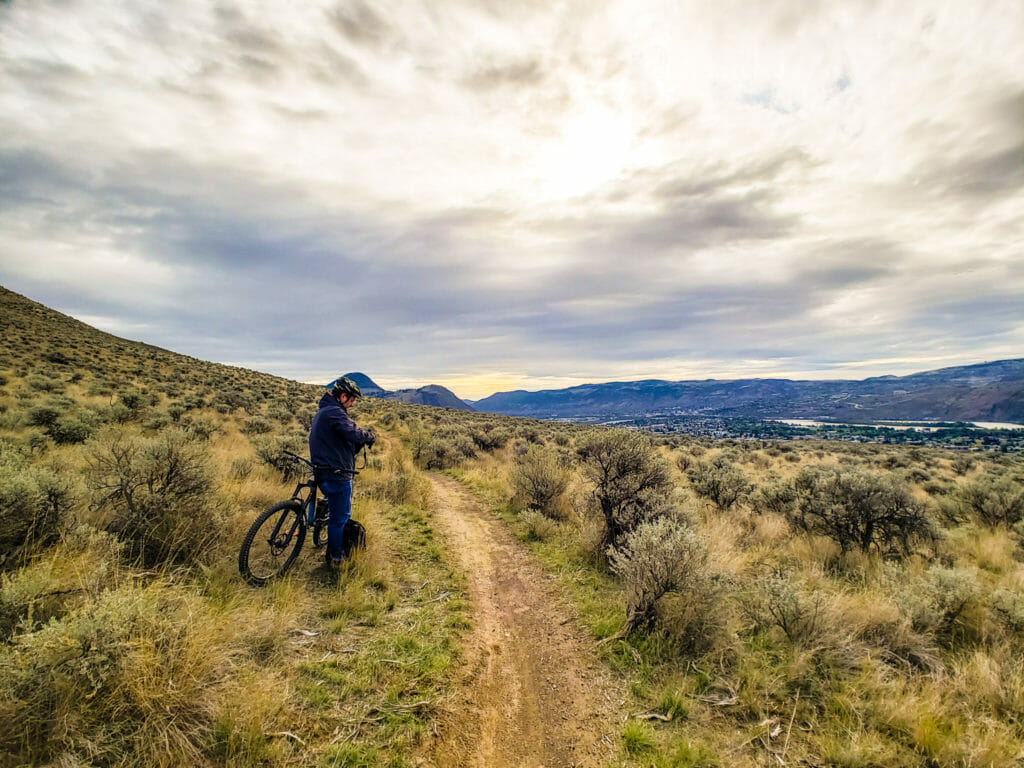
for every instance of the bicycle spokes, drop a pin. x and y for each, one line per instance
(272, 543)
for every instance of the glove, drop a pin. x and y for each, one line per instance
(373, 439)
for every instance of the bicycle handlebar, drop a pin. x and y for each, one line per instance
(295, 457)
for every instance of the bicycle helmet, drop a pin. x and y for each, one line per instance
(344, 386)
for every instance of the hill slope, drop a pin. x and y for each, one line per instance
(985, 392)
(53, 345)
(129, 475)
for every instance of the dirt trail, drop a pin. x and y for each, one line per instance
(532, 695)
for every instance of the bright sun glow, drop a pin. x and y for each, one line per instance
(593, 148)
(475, 387)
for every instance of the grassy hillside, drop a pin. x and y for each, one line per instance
(128, 475)
(763, 603)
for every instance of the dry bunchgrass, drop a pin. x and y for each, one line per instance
(130, 672)
(725, 534)
(925, 717)
(892, 671)
(894, 666)
(990, 549)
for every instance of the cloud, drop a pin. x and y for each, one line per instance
(358, 23)
(499, 74)
(490, 188)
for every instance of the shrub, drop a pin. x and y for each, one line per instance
(159, 494)
(69, 430)
(132, 399)
(43, 383)
(193, 402)
(446, 448)
(935, 488)
(657, 557)
(491, 438)
(630, 481)
(1008, 606)
(38, 592)
(42, 415)
(256, 425)
(200, 427)
(539, 527)
(539, 481)
(280, 412)
(227, 400)
(38, 443)
(124, 680)
(684, 461)
(861, 510)
(119, 413)
(33, 503)
(157, 421)
(29, 597)
(994, 501)
(962, 464)
(778, 602)
(270, 450)
(777, 496)
(100, 387)
(305, 417)
(941, 602)
(719, 481)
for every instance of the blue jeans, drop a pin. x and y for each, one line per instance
(339, 503)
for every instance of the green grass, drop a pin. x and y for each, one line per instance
(397, 639)
(637, 738)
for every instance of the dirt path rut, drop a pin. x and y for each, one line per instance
(532, 695)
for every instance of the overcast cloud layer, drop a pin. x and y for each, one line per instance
(496, 195)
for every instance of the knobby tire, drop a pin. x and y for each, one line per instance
(272, 543)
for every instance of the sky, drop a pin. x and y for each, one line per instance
(499, 195)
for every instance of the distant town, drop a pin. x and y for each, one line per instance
(961, 436)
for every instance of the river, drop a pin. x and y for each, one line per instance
(898, 425)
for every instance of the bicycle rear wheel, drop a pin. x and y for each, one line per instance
(272, 543)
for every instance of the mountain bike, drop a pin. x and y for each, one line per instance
(275, 538)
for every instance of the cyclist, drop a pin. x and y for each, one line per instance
(334, 441)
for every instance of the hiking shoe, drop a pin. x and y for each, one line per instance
(333, 563)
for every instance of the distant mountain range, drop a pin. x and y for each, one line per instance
(985, 392)
(991, 391)
(432, 394)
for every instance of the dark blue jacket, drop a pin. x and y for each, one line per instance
(334, 439)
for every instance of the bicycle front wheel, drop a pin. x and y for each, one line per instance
(272, 543)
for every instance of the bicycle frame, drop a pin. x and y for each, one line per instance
(275, 538)
(308, 500)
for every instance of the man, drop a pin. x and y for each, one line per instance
(334, 441)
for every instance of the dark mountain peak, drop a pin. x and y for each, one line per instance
(435, 389)
(432, 394)
(364, 382)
